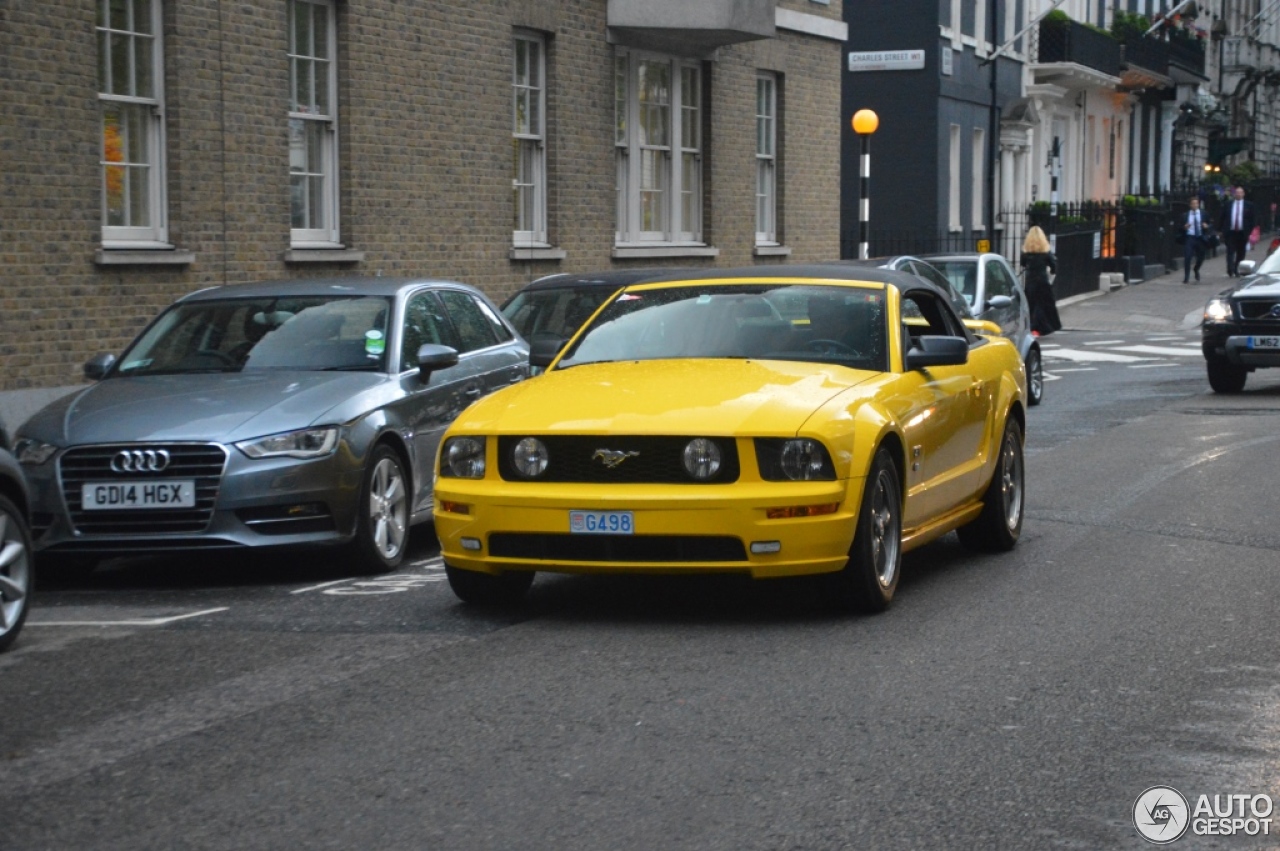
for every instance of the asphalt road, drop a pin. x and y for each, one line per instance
(1016, 701)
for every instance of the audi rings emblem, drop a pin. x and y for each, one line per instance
(140, 460)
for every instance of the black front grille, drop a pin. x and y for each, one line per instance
(1258, 310)
(616, 548)
(655, 460)
(201, 462)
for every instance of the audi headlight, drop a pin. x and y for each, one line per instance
(1217, 310)
(530, 457)
(32, 452)
(797, 459)
(306, 443)
(701, 458)
(463, 458)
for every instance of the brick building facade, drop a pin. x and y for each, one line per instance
(153, 147)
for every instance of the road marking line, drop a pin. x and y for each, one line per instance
(137, 622)
(1104, 342)
(1152, 365)
(322, 585)
(1083, 356)
(1077, 369)
(1180, 351)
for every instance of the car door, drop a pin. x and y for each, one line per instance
(942, 411)
(997, 280)
(493, 355)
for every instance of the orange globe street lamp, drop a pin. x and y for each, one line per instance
(865, 122)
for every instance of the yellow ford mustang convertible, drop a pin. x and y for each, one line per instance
(776, 421)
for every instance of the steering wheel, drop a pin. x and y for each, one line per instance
(217, 355)
(831, 347)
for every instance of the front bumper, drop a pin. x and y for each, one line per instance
(254, 503)
(1230, 342)
(685, 529)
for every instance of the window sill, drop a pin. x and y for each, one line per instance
(772, 251)
(323, 255)
(541, 252)
(628, 253)
(143, 257)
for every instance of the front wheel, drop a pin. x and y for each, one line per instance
(1226, 377)
(1035, 377)
(382, 527)
(999, 526)
(870, 578)
(16, 575)
(486, 589)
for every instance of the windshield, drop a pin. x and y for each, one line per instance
(824, 324)
(963, 275)
(555, 313)
(234, 335)
(1269, 266)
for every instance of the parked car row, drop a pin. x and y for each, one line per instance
(722, 420)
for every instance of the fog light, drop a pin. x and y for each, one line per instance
(763, 547)
(471, 544)
(454, 507)
(802, 511)
(307, 509)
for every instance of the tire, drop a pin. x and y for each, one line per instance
(486, 589)
(17, 578)
(999, 526)
(870, 577)
(1035, 377)
(1226, 377)
(382, 526)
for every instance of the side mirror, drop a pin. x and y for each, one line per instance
(432, 357)
(998, 302)
(1246, 267)
(97, 367)
(938, 351)
(543, 351)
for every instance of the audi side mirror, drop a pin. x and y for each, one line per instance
(432, 357)
(998, 302)
(97, 367)
(934, 350)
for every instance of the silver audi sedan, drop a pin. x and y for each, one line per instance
(275, 414)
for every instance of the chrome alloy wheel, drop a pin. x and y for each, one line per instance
(15, 573)
(886, 532)
(388, 508)
(1011, 473)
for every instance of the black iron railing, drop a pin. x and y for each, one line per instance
(1146, 53)
(1068, 41)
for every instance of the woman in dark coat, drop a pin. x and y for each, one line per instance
(1038, 263)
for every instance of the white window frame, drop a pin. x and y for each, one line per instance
(679, 178)
(529, 137)
(766, 158)
(327, 234)
(979, 155)
(953, 177)
(156, 233)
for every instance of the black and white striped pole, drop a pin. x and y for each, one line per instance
(865, 123)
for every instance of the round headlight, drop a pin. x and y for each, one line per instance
(702, 458)
(530, 457)
(464, 458)
(803, 459)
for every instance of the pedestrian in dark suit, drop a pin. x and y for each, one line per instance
(1236, 223)
(1193, 233)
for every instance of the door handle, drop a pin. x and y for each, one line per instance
(472, 391)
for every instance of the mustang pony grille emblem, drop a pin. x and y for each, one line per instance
(612, 457)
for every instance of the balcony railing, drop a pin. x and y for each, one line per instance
(1068, 41)
(1187, 54)
(1146, 53)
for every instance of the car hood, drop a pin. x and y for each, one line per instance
(223, 407)
(713, 397)
(1259, 286)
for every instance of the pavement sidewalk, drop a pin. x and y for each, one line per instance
(1160, 304)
